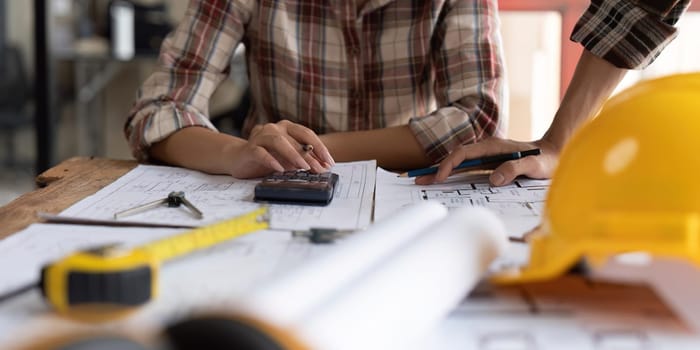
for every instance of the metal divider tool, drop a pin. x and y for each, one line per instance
(174, 200)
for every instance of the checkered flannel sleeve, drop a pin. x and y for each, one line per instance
(629, 34)
(193, 61)
(469, 81)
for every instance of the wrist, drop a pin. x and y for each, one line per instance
(565, 123)
(554, 141)
(230, 154)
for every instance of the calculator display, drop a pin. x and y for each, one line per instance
(297, 187)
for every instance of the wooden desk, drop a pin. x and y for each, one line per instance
(59, 188)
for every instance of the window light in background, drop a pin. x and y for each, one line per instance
(531, 42)
(532, 45)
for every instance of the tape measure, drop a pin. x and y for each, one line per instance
(114, 276)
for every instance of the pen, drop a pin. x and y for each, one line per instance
(499, 158)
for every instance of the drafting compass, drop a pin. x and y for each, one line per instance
(174, 200)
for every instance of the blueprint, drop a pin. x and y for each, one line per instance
(222, 197)
(519, 205)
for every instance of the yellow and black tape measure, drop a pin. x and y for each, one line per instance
(114, 276)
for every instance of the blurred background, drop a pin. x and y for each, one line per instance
(69, 71)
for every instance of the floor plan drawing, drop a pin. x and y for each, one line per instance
(222, 197)
(519, 204)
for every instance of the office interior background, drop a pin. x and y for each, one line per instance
(92, 84)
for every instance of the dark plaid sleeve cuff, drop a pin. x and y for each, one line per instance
(628, 34)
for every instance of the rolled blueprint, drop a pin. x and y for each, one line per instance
(288, 297)
(386, 287)
(415, 287)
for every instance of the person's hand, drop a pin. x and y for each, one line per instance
(278, 147)
(536, 167)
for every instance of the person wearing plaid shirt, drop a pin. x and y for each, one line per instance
(617, 35)
(400, 81)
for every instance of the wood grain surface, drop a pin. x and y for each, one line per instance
(59, 188)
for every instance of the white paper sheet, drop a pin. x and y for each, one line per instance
(519, 205)
(222, 197)
(23, 254)
(203, 280)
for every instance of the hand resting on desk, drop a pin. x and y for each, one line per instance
(270, 147)
(537, 167)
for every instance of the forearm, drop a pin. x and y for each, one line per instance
(593, 82)
(190, 67)
(198, 148)
(393, 148)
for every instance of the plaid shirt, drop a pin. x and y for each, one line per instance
(629, 34)
(435, 65)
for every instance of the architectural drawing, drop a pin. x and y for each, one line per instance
(222, 197)
(519, 204)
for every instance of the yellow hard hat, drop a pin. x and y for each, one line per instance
(627, 181)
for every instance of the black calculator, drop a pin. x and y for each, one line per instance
(297, 187)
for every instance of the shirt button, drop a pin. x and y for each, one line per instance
(355, 51)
